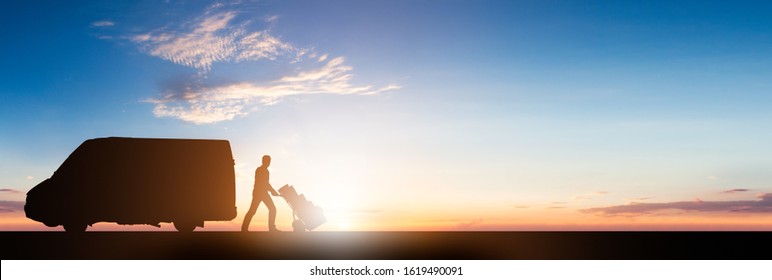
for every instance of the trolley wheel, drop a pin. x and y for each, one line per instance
(298, 226)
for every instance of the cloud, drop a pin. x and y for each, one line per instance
(467, 225)
(9, 191)
(11, 206)
(203, 105)
(272, 19)
(102, 23)
(588, 196)
(735, 190)
(30, 177)
(763, 205)
(218, 37)
(212, 39)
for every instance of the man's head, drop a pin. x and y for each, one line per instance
(266, 160)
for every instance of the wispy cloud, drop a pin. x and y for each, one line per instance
(467, 225)
(735, 191)
(102, 23)
(272, 19)
(588, 196)
(213, 104)
(9, 191)
(212, 39)
(11, 206)
(763, 205)
(218, 37)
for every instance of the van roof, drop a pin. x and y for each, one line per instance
(151, 139)
(141, 146)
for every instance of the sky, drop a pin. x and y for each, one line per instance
(414, 115)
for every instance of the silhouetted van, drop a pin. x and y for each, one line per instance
(138, 181)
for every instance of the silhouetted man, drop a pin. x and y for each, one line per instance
(260, 194)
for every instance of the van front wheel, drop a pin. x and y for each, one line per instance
(184, 226)
(75, 227)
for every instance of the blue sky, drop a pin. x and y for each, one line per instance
(521, 109)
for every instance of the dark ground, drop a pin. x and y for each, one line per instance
(386, 245)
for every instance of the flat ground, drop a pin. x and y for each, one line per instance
(386, 245)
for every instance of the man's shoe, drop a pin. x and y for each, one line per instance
(273, 229)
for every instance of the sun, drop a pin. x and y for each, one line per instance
(345, 225)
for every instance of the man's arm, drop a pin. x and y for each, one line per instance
(268, 183)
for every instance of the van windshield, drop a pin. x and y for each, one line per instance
(76, 158)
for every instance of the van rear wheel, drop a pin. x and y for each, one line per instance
(184, 226)
(75, 227)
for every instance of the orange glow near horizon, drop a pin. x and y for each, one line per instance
(339, 189)
(687, 222)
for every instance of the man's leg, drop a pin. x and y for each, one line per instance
(271, 213)
(250, 213)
